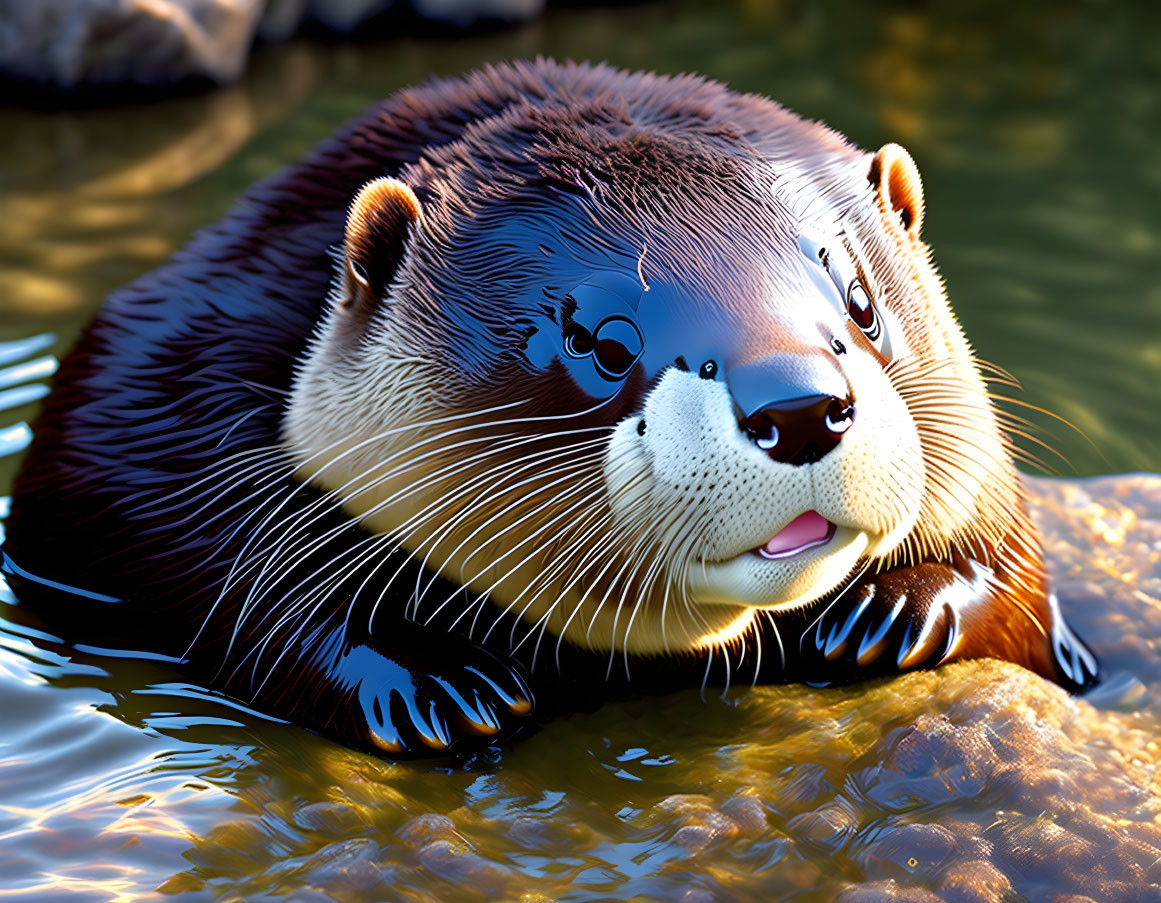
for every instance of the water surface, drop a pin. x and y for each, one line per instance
(1035, 126)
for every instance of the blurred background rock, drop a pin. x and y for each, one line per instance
(65, 50)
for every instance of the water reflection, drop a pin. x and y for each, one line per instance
(87, 199)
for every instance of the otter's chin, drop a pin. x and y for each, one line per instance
(784, 580)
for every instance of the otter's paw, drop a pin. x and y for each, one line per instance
(897, 621)
(457, 700)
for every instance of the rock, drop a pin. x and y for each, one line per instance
(465, 13)
(344, 16)
(98, 47)
(281, 19)
(346, 865)
(426, 828)
(75, 45)
(975, 882)
(884, 891)
(465, 868)
(328, 818)
(909, 853)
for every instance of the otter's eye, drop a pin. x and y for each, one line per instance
(618, 345)
(578, 341)
(862, 310)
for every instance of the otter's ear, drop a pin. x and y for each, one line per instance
(898, 187)
(379, 224)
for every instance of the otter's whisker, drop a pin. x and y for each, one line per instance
(212, 472)
(325, 503)
(544, 581)
(562, 515)
(444, 473)
(400, 494)
(578, 489)
(373, 541)
(586, 486)
(489, 489)
(503, 513)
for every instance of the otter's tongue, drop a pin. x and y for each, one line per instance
(804, 532)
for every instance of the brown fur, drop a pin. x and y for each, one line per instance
(479, 204)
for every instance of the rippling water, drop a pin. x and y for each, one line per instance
(1035, 128)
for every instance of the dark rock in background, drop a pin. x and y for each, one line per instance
(68, 45)
(73, 50)
(283, 18)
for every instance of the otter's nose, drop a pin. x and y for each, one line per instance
(800, 430)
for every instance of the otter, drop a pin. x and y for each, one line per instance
(530, 387)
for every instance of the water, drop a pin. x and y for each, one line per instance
(1035, 126)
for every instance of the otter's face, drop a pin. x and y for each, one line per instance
(779, 441)
(638, 424)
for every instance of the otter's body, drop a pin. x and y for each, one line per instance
(543, 378)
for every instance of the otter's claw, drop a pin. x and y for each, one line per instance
(1077, 669)
(448, 702)
(888, 623)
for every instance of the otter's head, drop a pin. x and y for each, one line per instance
(637, 379)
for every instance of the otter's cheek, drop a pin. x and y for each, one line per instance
(876, 476)
(628, 476)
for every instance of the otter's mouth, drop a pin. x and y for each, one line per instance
(807, 531)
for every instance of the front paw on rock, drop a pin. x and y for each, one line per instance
(881, 628)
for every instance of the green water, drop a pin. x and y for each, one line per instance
(1036, 128)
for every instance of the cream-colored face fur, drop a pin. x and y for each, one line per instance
(693, 456)
(643, 536)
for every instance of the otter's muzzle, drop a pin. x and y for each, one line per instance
(800, 430)
(795, 407)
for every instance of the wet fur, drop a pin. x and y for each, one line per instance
(157, 475)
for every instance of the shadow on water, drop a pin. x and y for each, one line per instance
(1035, 131)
